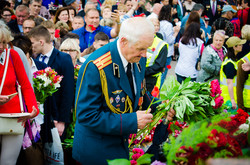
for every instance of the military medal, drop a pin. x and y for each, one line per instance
(123, 99)
(111, 100)
(117, 99)
(118, 105)
(117, 92)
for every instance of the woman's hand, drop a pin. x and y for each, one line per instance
(4, 99)
(234, 106)
(25, 118)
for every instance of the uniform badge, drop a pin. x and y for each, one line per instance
(118, 105)
(140, 101)
(117, 92)
(123, 99)
(111, 100)
(117, 99)
(116, 70)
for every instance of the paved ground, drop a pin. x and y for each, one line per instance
(171, 71)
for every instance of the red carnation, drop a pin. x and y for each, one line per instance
(215, 88)
(184, 152)
(153, 49)
(169, 66)
(133, 162)
(155, 92)
(92, 27)
(218, 102)
(13, 17)
(204, 151)
(57, 33)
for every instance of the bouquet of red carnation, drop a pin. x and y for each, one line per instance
(192, 102)
(207, 139)
(46, 82)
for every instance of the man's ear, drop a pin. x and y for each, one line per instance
(94, 44)
(123, 41)
(41, 42)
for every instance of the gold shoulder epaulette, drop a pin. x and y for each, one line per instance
(103, 61)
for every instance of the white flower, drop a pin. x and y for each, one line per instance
(244, 127)
(47, 82)
(57, 85)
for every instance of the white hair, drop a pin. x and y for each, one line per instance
(134, 28)
(221, 33)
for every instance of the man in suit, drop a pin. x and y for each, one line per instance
(62, 63)
(22, 13)
(110, 95)
(213, 9)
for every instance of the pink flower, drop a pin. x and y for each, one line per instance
(215, 88)
(136, 156)
(218, 102)
(138, 150)
(133, 162)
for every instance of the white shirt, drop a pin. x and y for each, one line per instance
(125, 64)
(48, 56)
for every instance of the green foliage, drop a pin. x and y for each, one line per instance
(118, 161)
(144, 159)
(196, 133)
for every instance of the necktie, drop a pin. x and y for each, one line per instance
(43, 58)
(130, 78)
(213, 8)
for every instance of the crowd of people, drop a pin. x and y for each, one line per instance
(125, 49)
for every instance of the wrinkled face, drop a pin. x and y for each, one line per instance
(3, 45)
(92, 18)
(134, 52)
(106, 13)
(77, 23)
(218, 41)
(99, 43)
(27, 26)
(64, 16)
(36, 45)
(6, 16)
(21, 16)
(72, 52)
(129, 5)
(35, 8)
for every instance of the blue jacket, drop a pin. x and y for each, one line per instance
(87, 38)
(101, 134)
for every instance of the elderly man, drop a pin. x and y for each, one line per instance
(156, 10)
(22, 13)
(92, 26)
(109, 95)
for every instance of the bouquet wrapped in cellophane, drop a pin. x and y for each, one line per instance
(192, 102)
(46, 82)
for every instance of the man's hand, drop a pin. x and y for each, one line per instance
(170, 114)
(246, 66)
(4, 99)
(115, 16)
(143, 118)
(60, 127)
